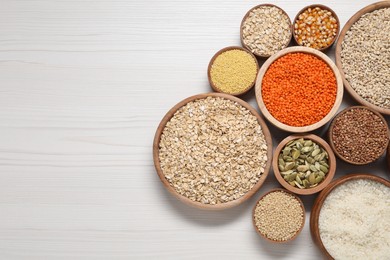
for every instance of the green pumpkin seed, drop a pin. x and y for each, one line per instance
(295, 154)
(302, 168)
(315, 152)
(324, 169)
(308, 143)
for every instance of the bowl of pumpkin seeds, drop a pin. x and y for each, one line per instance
(304, 164)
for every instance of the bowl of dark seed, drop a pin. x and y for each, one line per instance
(362, 55)
(316, 26)
(212, 151)
(265, 30)
(304, 164)
(279, 216)
(358, 135)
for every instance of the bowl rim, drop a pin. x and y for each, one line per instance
(322, 7)
(318, 203)
(331, 127)
(156, 160)
(246, 16)
(299, 129)
(369, 8)
(331, 161)
(229, 48)
(302, 207)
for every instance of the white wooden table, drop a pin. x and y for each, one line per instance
(83, 86)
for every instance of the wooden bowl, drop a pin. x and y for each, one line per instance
(298, 129)
(186, 200)
(347, 26)
(330, 134)
(328, 177)
(246, 16)
(323, 7)
(212, 61)
(303, 221)
(315, 212)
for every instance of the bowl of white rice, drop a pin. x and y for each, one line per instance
(350, 218)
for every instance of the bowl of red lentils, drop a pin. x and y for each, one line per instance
(299, 89)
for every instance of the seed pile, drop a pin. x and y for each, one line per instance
(299, 89)
(365, 57)
(354, 221)
(213, 150)
(233, 71)
(266, 30)
(303, 163)
(316, 28)
(278, 216)
(359, 135)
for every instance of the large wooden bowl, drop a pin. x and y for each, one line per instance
(186, 200)
(299, 129)
(246, 16)
(315, 212)
(303, 221)
(323, 7)
(328, 177)
(212, 62)
(330, 134)
(347, 26)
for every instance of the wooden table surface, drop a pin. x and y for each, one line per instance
(84, 85)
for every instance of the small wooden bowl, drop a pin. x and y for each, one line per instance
(246, 16)
(315, 212)
(347, 26)
(328, 177)
(298, 129)
(303, 210)
(323, 7)
(211, 64)
(330, 134)
(156, 160)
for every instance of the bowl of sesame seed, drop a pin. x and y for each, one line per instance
(316, 26)
(278, 216)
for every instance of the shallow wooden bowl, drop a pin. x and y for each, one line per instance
(328, 177)
(186, 200)
(299, 129)
(347, 26)
(330, 134)
(246, 16)
(303, 221)
(323, 7)
(315, 212)
(211, 64)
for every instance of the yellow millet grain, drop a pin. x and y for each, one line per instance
(233, 71)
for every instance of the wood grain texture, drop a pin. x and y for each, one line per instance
(84, 85)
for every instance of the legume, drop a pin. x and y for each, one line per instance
(315, 28)
(299, 89)
(233, 71)
(278, 216)
(266, 30)
(359, 135)
(213, 150)
(365, 57)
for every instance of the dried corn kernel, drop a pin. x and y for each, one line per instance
(316, 28)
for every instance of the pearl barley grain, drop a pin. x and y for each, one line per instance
(279, 216)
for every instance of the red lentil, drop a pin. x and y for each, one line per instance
(299, 89)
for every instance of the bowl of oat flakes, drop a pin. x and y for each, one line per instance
(265, 29)
(212, 151)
